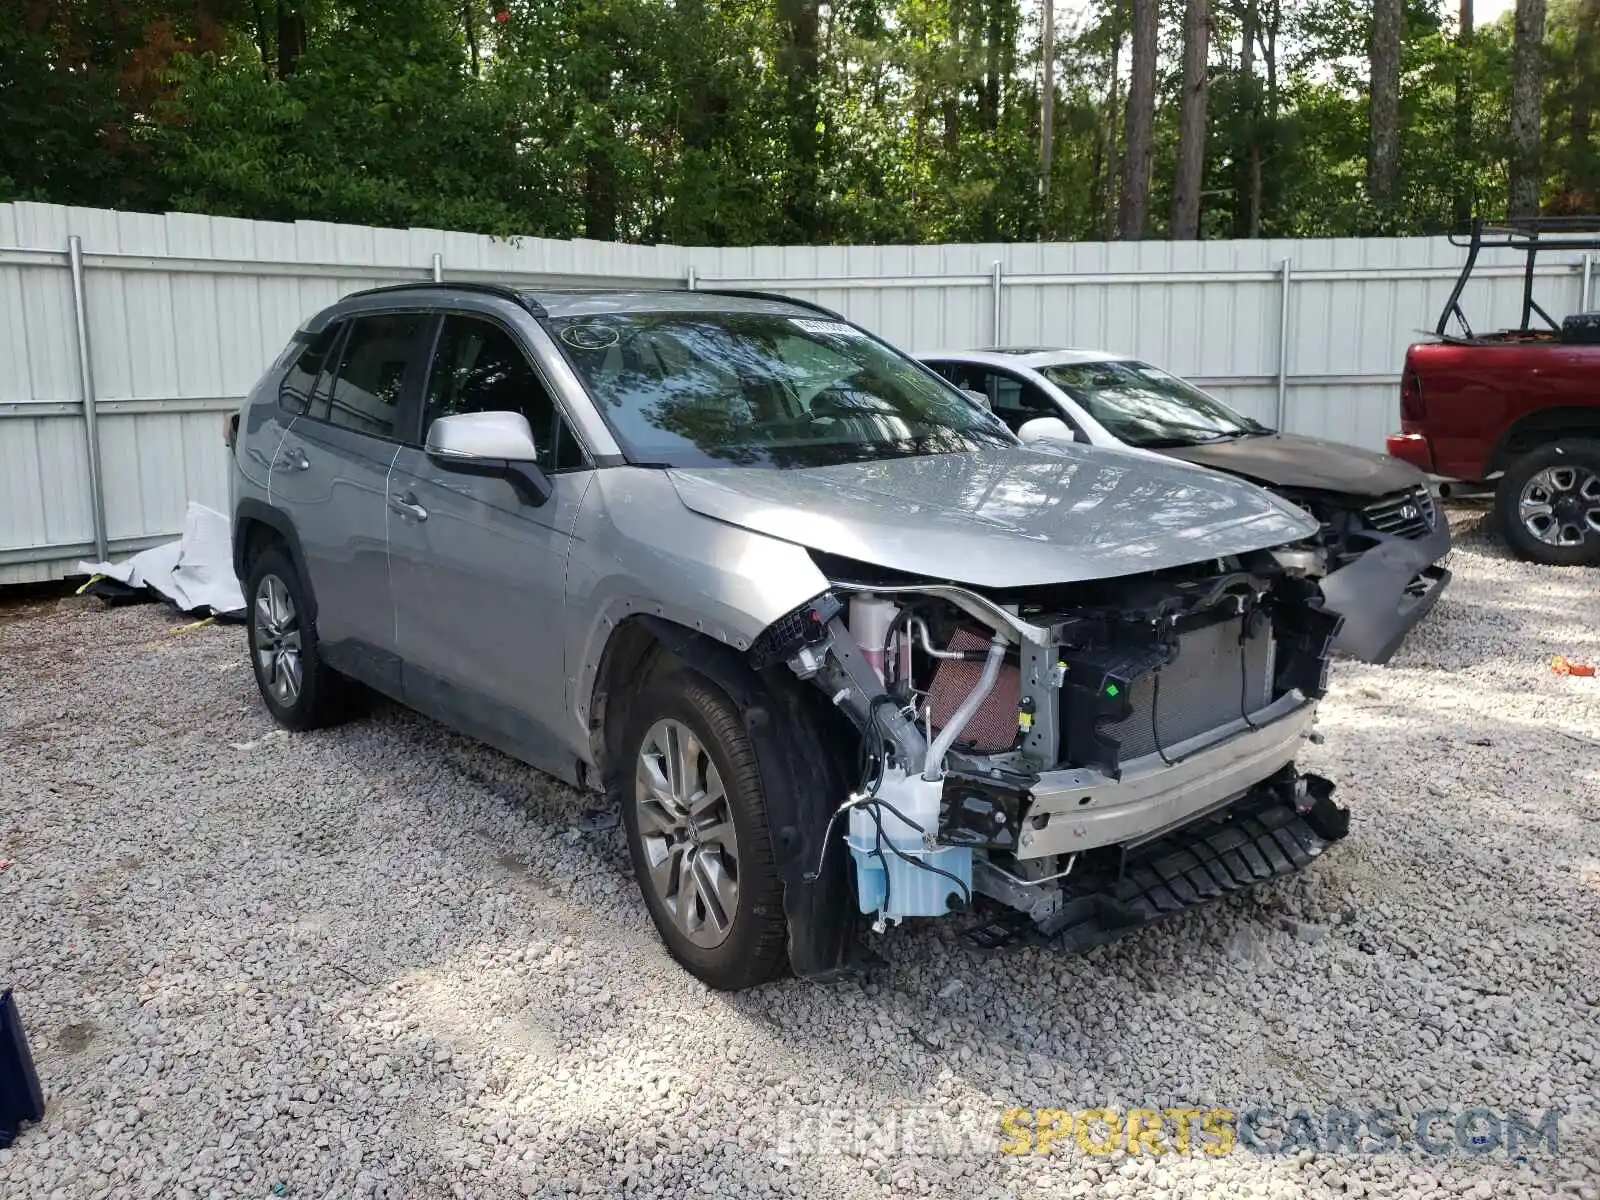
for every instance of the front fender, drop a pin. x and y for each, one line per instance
(638, 550)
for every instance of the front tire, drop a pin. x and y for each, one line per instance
(1547, 504)
(299, 689)
(696, 821)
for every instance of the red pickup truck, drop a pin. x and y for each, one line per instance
(1517, 409)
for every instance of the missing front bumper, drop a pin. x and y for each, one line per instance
(1266, 834)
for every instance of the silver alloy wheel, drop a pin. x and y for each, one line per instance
(686, 826)
(277, 637)
(1561, 505)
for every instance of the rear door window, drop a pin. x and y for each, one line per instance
(371, 375)
(478, 367)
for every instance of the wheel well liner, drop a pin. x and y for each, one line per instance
(1537, 428)
(256, 524)
(804, 747)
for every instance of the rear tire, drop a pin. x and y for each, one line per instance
(1547, 504)
(696, 820)
(299, 689)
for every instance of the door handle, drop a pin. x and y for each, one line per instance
(407, 506)
(296, 459)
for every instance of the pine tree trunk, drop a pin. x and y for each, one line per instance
(1583, 163)
(1105, 175)
(291, 37)
(1383, 117)
(263, 39)
(1247, 157)
(1466, 153)
(1047, 115)
(1133, 214)
(1192, 121)
(989, 99)
(798, 64)
(1527, 78)
(951, 104)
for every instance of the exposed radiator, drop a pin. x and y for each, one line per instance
(1200, 689)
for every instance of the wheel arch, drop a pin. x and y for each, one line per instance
(1538, 428)
(804, 747)
(257, 525)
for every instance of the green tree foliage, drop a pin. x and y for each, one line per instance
(765, 121)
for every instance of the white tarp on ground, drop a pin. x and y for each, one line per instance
(195, 572)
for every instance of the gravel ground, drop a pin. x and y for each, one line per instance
(383, 959)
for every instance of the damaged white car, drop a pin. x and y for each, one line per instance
(841, 649)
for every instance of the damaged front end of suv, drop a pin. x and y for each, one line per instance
(1086, 721)
(852, 651)
(1087, 758)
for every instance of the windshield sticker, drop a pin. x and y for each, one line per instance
(836, 328)
(590, 337)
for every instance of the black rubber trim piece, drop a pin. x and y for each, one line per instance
(1263, 836)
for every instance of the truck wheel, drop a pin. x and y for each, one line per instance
(695, 815)
(298, 688)
(1547, 504)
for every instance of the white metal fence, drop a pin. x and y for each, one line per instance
(167, 320)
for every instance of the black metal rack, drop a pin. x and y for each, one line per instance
(1532, 236)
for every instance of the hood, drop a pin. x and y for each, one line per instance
(1291, 461)
(1003, 517)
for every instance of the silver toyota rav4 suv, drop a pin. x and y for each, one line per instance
(840, 647)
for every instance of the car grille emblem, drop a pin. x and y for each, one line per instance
(1410, 512)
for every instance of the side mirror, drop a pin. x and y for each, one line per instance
(1046, 429)
(483, 435)
(978, 398)
(498, 445)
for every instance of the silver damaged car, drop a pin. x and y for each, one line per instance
(840, 649)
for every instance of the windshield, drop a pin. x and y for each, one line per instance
(1143, 406)
(685, 389)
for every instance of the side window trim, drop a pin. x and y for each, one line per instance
(408, 424)
(322, 385)
(408, 408)
(519, 343)
(299, 346)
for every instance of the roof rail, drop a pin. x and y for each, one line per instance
(504, 291)
(753, 294)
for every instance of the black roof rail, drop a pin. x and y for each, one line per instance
(504, 291)
(753, 294)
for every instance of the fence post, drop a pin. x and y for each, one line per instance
(1586, 293)
(1287, 272)
(91, 430)
(438, 267)
(999, 312)
(690, 281)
